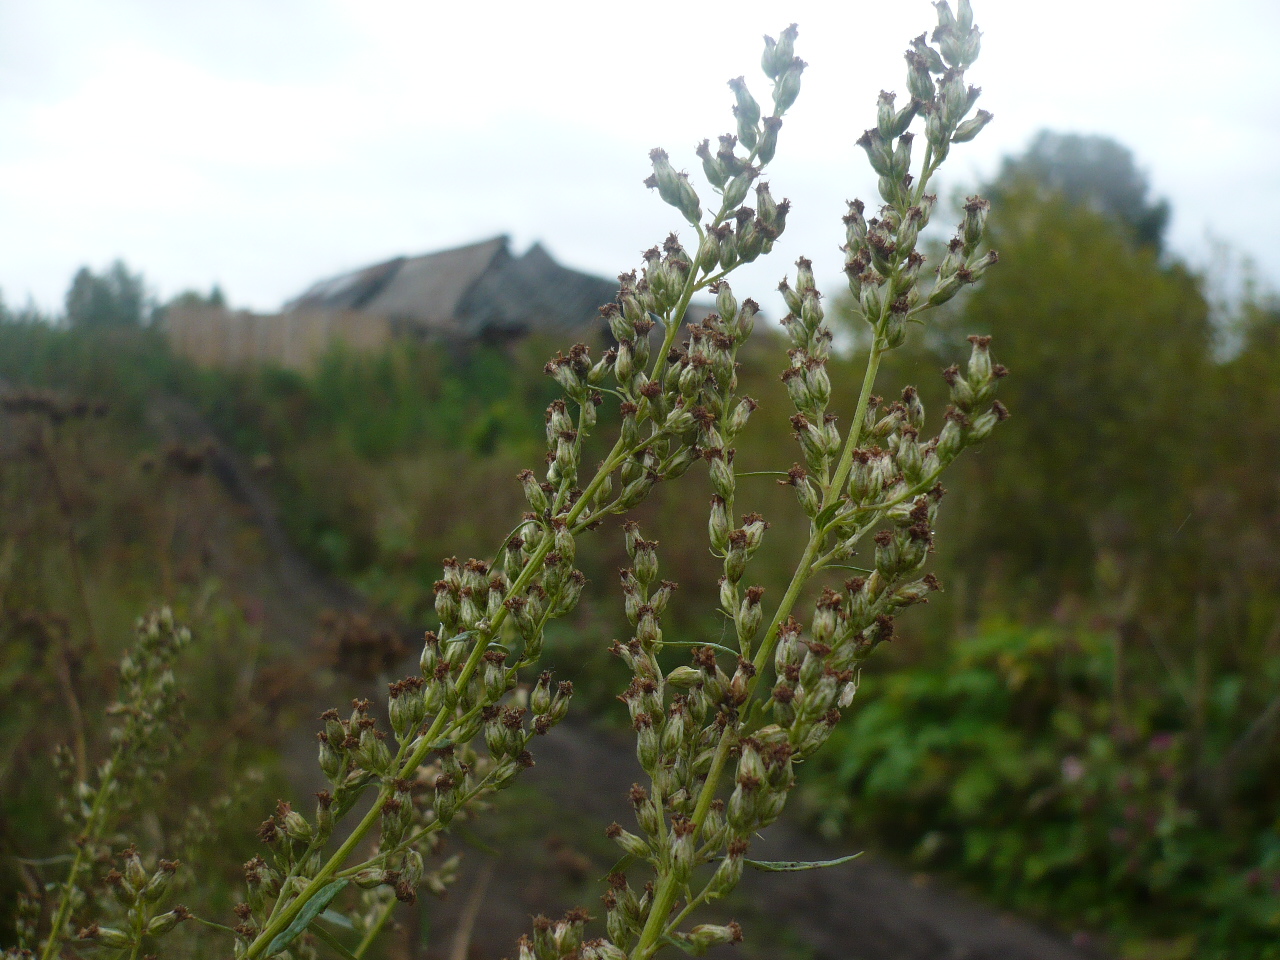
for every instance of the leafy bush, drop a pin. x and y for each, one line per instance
(1010, 763)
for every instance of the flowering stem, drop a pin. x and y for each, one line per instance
(668, 888)
(92, 829)
(429, 740)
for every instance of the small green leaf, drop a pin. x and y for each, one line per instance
(793, 866)
(621, 866)
(471, 840)
(212, 923)
(823, 518)
(679, 944)
(310, 910)
(334, 943)
(337, 919)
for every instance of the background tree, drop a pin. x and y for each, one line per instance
(1113, 355)
(1094, 171)
(1108, 346)
(116, 298)
(194, 298)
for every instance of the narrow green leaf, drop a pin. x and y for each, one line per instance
(312, 909)
(337, 919)
(212, 923)
(47, 861)
(793, 866)
(679, 944)
(822, 519)
(621, 866)
(471, 840)
(333, 943)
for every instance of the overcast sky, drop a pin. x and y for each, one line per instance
(263, 144)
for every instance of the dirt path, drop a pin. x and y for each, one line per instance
(554, 855)
(550, 828)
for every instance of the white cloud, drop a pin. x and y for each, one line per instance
(264, 144)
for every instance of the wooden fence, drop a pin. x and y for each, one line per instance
(215, 337)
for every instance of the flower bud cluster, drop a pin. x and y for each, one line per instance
(354, 748)
(808, 384)
(462, 703)
(738, 234)
(702, 719)
(149, 710)
(564, 939)
(506, 733)
(693, 405)
(149, 699)
(26, 928)
(688, 398)
(963, 264)
(678, 718)
(137, 892)
(467, 677)
(881, 261)
(886, 481)
(974, 411)
(293, 841)
(894, 488)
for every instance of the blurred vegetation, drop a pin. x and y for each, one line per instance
(101, 519)
(1091, 171)
(1010, 762)
(116, 298)
(1085, 726)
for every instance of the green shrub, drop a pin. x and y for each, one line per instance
(1009, 763)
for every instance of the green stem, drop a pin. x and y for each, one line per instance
(667, 890)
(689, 907)
(433, 827)
(64, 909)
(926, 171)
(877, 510)
(90, 836)
(613, 463)
(859, 416)
(428, 741)
(374, 931)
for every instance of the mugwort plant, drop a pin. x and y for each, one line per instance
(717, 738)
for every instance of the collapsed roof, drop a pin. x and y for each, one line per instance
(472, 291)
